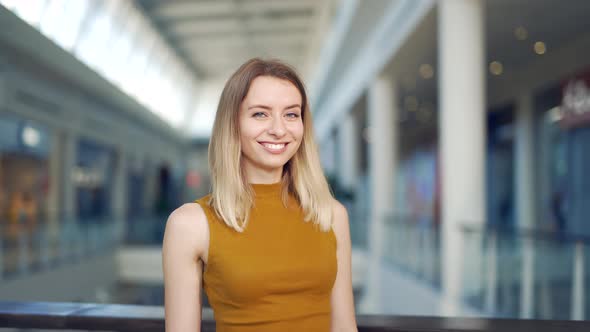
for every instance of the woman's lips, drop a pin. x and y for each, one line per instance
(274, 148)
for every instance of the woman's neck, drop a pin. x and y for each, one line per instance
(262, 176)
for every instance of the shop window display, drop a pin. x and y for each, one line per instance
(93, 178)
(24, 186)
(500, 168)
(23, 174)
(564, 137)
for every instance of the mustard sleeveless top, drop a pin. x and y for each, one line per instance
(275, 276)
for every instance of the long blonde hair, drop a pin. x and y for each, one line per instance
(231, 196)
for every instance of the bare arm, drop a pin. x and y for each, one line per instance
(186, 240)
(343, 316)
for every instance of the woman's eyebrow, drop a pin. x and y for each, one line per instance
(260, 106)
(266, 107)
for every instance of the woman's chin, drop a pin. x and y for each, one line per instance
(273, 166)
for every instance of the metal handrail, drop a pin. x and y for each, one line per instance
(127, 318)
(528, 236)
(533, 233)
(492, 235)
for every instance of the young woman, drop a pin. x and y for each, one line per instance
(270, 246)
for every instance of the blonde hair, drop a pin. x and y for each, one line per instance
(231, 196)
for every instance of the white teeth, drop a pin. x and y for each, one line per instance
(274, 146)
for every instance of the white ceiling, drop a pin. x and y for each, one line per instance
(215, 37)
(557, 23)
(554, 22)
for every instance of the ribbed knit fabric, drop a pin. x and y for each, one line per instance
(275, 276)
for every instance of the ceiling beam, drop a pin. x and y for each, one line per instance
(202, 17)
(220, 56)
(168, 9)
(197, 72)
(230, 33)
(196, 27)
(286, 38)
(232, 44)
(319, 29)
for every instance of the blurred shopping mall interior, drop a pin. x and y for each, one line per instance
(456, 133)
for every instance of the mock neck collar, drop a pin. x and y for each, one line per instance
(267, 189)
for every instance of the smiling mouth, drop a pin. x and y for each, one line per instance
(274, 147)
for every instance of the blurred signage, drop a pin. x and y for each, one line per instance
(87, 177)
(193, 179)
(575, 104)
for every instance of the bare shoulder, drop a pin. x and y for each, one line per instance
(340, 224)
(187, 230)
(339, 208)
(189, 217)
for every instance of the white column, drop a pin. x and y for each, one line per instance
(462, 134)
(119, 194)
(50, 232)
(151, 183)
(328, 154)
(578, 287)
(55, 182)
(382, 114)
(348, 163)
(524, 189)
(69, 143)
(70, 240)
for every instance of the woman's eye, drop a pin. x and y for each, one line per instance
(292, 115)
(259, 114)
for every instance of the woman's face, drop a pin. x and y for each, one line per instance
(271, 127)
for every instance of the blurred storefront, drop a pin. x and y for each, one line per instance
(564, 137)
(24, 184)
(500, 167)
(93, 178)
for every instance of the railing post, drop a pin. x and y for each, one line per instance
(101, 237)
(65, 241)
(120, 232)
(23, 252)
(528, 279)
(430, 254)
(492, 272)
(411, 241)
(92, 237)
(2, 251)
(578, 283)
(69, 247)
(546, 304)
(403, 237)
(415, 249)
(44, 247)
(393, 236)
(403, 244)
(81, 239)
(425, 257)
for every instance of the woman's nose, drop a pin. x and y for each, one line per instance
(277, 127)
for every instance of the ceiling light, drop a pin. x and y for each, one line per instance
(31, 136)
(521, 33)
(540, 48)
(496, 68)
(426, 71)
(555, 114)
